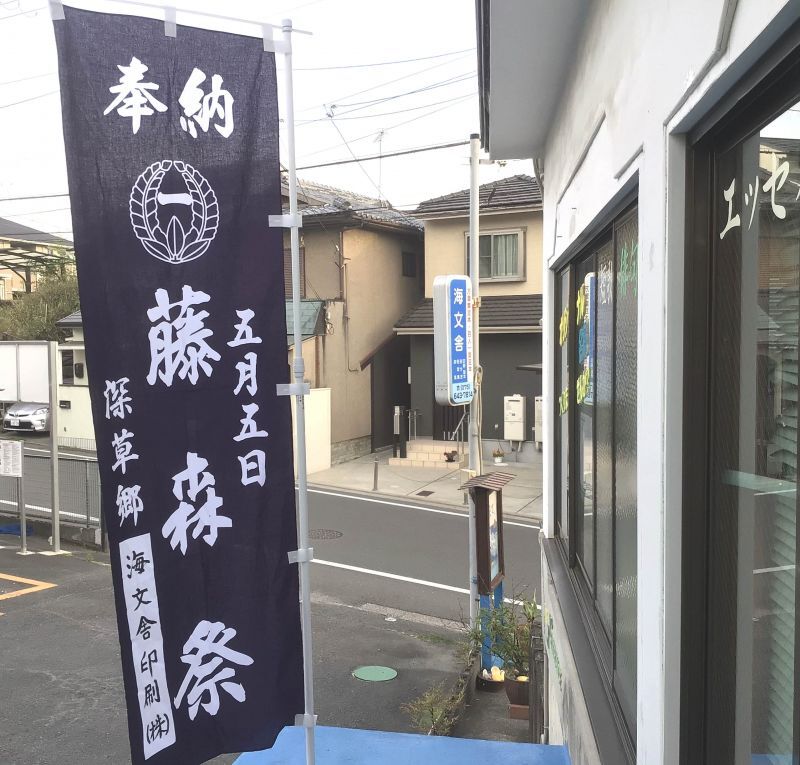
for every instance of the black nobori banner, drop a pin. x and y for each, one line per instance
(172, 155)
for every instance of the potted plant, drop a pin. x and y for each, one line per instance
(509, 626)
(451, 455)
(498, 455)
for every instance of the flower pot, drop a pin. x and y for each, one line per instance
(517, 691)
(498, 460)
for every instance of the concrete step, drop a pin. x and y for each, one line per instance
(423, 463)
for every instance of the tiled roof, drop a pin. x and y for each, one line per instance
(11, 230)
(73, 320)
(518, 191)
(318, 201)
(496, 311)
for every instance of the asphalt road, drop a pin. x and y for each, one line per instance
(392, 598)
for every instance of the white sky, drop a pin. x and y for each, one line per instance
(345, 32)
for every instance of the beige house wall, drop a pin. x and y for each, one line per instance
(446, 250)
(373, 293)
(11, 282)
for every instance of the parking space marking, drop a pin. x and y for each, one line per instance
(34, 585)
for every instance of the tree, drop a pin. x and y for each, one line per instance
(33, 316)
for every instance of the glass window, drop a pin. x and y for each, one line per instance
(595, 450)
(562, 405)
(584, 414)
(626, 245)
(67, 368)
(755, 439)
(499, 255)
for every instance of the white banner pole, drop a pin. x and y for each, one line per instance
(303, 555)
(474, 408)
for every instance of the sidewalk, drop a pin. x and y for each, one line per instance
(522, 497)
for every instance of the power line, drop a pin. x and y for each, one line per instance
(374, 101)
(385, 83)
(389, 154)
(26, 100)
(26, 79)
(388, 114)
(23, 13)
(381, 63)
(391, 127)
(34, 196)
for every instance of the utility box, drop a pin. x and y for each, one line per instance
(514, 417)
(538, 422)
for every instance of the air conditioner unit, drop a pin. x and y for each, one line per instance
(514, 417)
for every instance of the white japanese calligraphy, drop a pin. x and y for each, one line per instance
(249, 427)
(206, 653)
(244, 332)
(178, 344)
(254, 467)
(129, 504)
(202, 515)
(123, 450)
(247, 374)
(733, 220)
(134, 98)
(118, 402)
(200, 108)
(775, 183)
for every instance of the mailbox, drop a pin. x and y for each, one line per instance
(487, 494)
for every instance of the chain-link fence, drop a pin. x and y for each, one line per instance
(79, 490)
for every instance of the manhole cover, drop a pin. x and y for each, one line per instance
(375, 674)
(324, 534)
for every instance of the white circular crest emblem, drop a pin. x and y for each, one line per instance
(175, 244)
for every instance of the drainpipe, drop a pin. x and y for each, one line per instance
(345, 293)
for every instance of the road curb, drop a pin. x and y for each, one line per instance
(422, 503)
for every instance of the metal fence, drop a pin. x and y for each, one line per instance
(79, 490)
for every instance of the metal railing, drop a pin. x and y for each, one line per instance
(78, 484)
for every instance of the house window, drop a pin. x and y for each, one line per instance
(500, 256)
(741, 639)
(595, 449)
(67, 368)
(410, 264)
(287, 272)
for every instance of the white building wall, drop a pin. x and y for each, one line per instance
(643, 72)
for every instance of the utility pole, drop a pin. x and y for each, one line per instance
(474, 407)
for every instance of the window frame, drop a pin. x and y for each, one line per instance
(407, 258)
(602, 641)
(520, 232)
(708, 538)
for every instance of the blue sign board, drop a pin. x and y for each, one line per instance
(453, 351)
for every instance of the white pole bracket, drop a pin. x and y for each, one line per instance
(286, 221)
(293, 389)
(303, 555)
(271, 45)
(305, 721)
(170, 22)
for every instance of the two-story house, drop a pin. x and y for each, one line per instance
(511, 303)
(24, 253)
(360, 269)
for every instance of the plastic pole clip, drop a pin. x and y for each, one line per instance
(286, 221)
(170, 22)
(305, 721)
(293, 389)
(303, 555)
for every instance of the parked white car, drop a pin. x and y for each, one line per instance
(30, 416)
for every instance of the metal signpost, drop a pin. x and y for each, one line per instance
(11, 463)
